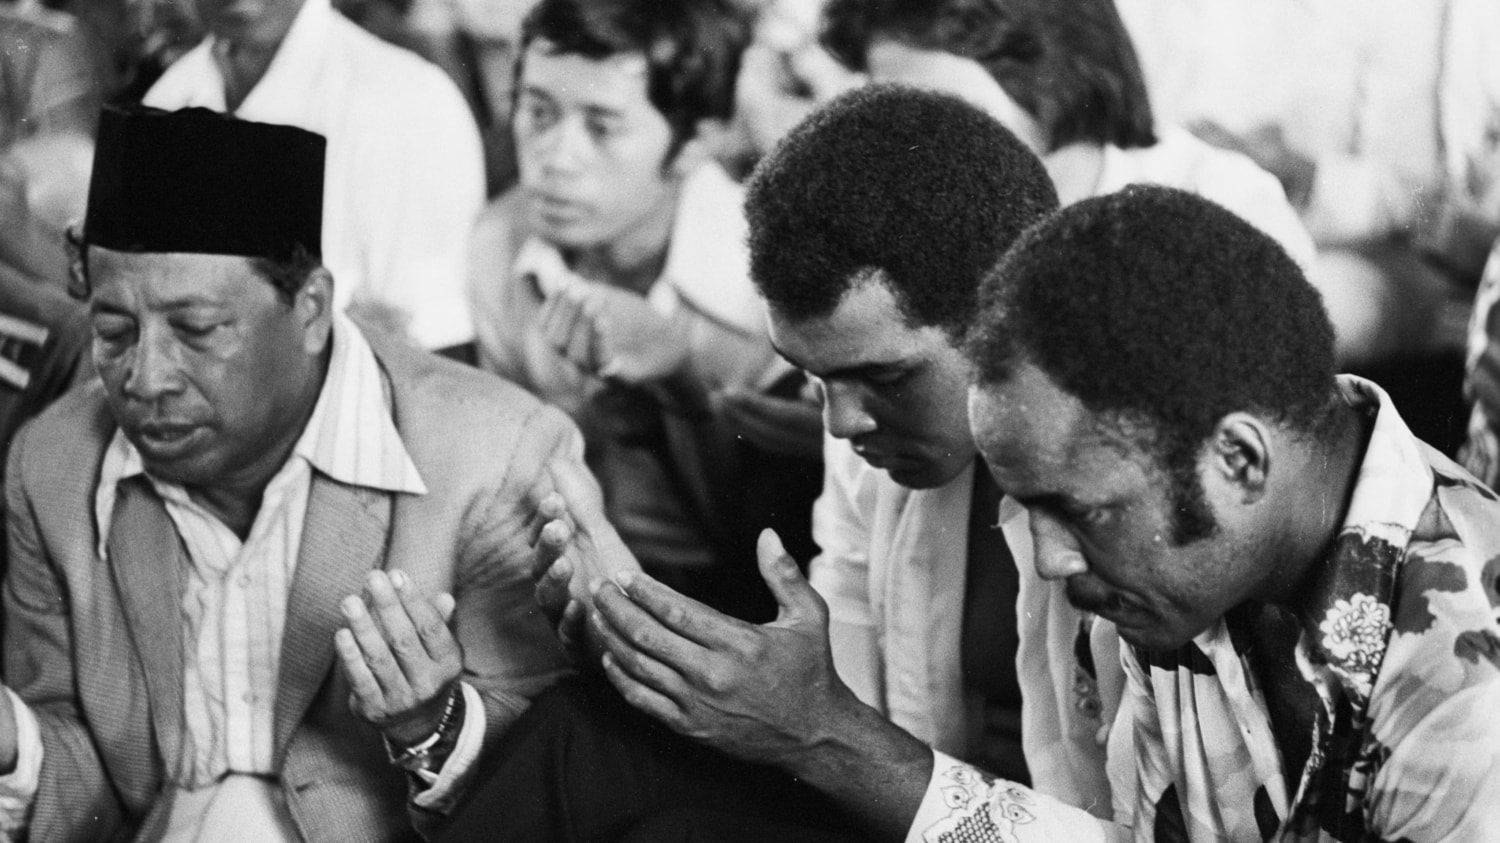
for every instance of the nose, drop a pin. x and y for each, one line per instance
(844, 413)
(1056, 553)
(154, 366)
(563, 145)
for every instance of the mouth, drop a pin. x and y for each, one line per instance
(166, 440)
(554, 208)
(1109, 605)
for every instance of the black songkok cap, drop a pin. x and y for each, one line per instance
(199, 181)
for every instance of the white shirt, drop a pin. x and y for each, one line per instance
(893, 569)
(404, 174)
(235, 599)
(1180, 160)
(1351, 84)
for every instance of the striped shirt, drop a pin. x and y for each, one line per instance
(235, 599)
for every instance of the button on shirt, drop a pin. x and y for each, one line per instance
(235, 597)
(1400, 642)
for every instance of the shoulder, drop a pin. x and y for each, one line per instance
(407, 87)
(461, 420)
(501, 227)
(499, 232)
(63, 445)
(1181, 160)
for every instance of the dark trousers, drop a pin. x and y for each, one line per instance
(583, 766)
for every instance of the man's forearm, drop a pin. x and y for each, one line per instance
(871, 767)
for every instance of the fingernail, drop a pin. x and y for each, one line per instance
(353, 606)
(595, 584)
(625, 579)
(398, 579)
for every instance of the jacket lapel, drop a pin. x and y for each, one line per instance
(344, 537)
(148, 559)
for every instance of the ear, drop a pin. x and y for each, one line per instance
(314, 308)
(1240, 454)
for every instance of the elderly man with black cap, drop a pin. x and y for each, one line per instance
(251, 493)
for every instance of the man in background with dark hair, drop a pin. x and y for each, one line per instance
(613, 282)
(251, 493)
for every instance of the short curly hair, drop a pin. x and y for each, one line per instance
(693, 49)
(920, 187)
(1070, 65)
(1162, 312)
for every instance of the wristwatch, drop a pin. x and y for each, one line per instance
(426, 757)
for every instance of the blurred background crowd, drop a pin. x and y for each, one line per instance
(1379, 120)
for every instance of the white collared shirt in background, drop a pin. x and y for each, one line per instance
(405, 171)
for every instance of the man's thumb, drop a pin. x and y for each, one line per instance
(792, 592)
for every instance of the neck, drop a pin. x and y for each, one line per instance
(244, 59)
(635, 259)
(1075, 170)
(235, 498)
(1315, 514)
(242, 66)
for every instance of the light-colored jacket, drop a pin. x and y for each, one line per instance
(95, 648)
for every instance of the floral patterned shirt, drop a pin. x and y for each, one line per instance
(1401, 642)
(1481, 451)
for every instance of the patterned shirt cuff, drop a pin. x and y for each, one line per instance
(444, 786)
(18, 788)
(966, 805)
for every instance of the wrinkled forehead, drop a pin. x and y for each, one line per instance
(154, 277)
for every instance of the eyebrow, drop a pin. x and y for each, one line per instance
(854, 371)
(97, 305)
(592, 109)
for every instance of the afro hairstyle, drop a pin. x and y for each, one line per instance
(920, 189)
(1161, 312)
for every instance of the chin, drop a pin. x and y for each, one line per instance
(918, 476)
(1156, 638)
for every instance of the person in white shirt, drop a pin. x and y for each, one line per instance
(268, 578)
(405, 169)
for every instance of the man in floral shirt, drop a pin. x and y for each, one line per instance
(1307, 591)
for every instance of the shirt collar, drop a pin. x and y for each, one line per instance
(1348, 620)
(286, 78)
(350, 436)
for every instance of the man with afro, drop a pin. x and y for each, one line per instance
(1306, 591)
